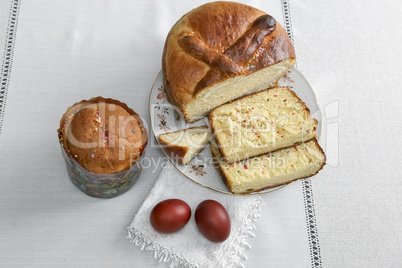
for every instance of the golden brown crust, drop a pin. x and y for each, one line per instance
(103, 135)
(176, 152)
(216, 160)
(216, 41)
(218, 142)
(226, 181)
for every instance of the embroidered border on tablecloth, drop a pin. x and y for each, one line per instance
(306, 183)
(8, 53)
(311, 223)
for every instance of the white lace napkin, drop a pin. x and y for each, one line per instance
(188, 247)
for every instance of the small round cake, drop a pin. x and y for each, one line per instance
(104, 137)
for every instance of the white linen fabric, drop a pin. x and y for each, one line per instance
(188, 247)
(64, 52)
(350, 52)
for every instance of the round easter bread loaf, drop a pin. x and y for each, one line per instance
(102, 135)
(221, 51)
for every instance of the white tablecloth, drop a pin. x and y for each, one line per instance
(54, 53)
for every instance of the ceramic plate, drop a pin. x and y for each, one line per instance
(164, 118)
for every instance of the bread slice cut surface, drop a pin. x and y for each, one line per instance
(184, 145)
(234, 88)
(260, 123)
(273, 169)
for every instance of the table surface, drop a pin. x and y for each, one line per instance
(54, 53)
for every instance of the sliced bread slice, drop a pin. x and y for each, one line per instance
(260, 123)
(184, 145)
(270, 170)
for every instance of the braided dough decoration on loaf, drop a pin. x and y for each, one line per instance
(221, 51)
